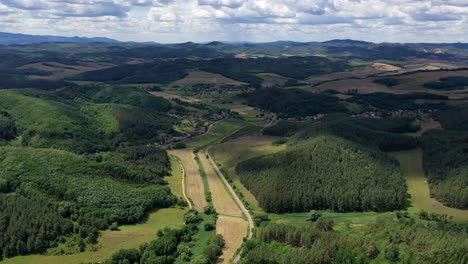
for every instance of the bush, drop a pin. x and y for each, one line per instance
(209, 226)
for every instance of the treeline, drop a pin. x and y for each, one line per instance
(29, 225)
(389, 82)
(8, 129)
(238, 69)
(384, 134)
(446, 165)
(445, 158)
(86, 119)
(405, 240)
(93, 189)
(454, 119)
(294, 102)
(325, 172)
(9, 81)
(392, 102)
(173, 246)
(448, 83)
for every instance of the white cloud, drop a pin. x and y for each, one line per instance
(255, 20)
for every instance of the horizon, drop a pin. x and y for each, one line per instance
(232, 42)
(256, 21)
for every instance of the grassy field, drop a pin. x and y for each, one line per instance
(193, 181)
(222, 201)
(175, 180)
(229, 154)
(342, 220)
(198, 77)
(411, 163)
(218, 131)
(131, 236)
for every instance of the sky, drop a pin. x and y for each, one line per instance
(173, 21)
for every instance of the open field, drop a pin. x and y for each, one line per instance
(229, 154)
(175, 179)
(411, 163)
(170, 96)
(385, 67)
(408, 84)
(233, 229)
(201, 77)
(60, 71)
(218, 131)
(343, 75)
(222, 201)
(129, 236)
(272, 79)
(193, 181)
(341, 220)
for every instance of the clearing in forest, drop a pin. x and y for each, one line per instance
(201, 77)
(60, 71)
(385, 67)
(222, 201)
(233, 230)
(418, 187)
(193, 180)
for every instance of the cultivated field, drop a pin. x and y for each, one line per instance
(222, 200)
(130, 236)
(385, 67)
(411, 163)
(170, 96)
(60, 71)
(193, 180)
(198, 77)
(408, 84)
(233, 229)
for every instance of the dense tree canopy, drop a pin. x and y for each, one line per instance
(325, 173)
(294, 102)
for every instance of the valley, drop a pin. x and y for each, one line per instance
(328, 152)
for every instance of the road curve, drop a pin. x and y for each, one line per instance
(236, 198)
(183, 182)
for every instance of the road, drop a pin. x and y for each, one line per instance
(236, 198)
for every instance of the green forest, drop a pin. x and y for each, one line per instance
(294, 102)
(445, 158)
(383, 134)
(388, 240)
(325, 172)
(83, 120)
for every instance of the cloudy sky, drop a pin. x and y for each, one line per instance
(172, 21)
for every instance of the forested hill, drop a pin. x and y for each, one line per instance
(87, 120)
(11, 38)
(446, 158)
(325, 172)
(244, 70)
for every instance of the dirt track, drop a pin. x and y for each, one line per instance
(193, 180)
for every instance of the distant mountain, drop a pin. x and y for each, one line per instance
(347, 42)
(12, 38)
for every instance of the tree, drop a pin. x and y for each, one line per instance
(314, 215)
